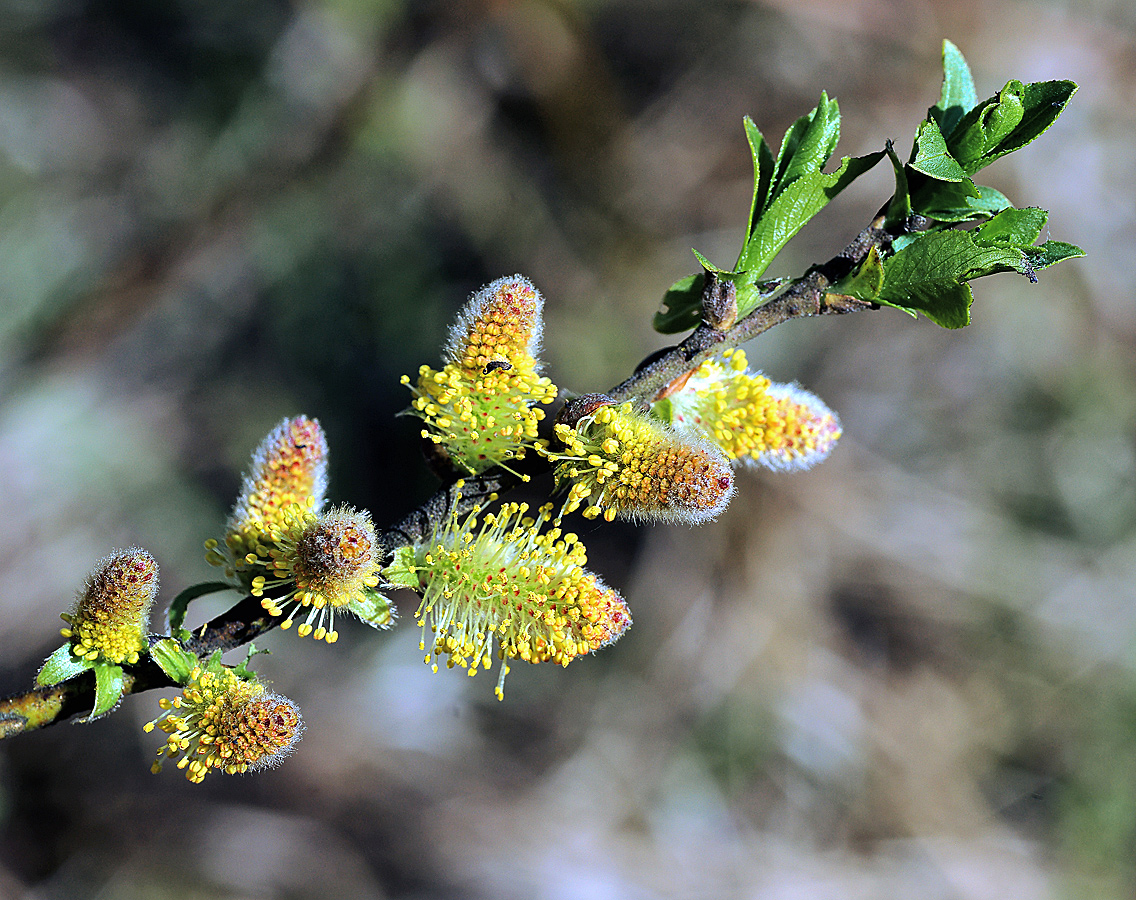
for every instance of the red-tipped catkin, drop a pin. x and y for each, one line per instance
(624, 463)
(289, 468)
(483, 407)
(500, 322)
(113, 612)
(288, 477)
(327, 561)
(225, 723)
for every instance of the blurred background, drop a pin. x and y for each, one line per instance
(908, 673)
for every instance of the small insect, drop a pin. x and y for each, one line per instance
(495, 365)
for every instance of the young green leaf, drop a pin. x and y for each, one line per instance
(793, 207)
(793, 188)
(1018, 114)
(946, 303)
(762, 172)
(957, 96)
(109, 688)
(402, 571)
(807, 144)
(180, 604)
(953, 202)
(682, 305)
(931, 157)
(1050, 253)
(373, 608)
(172, 659)
(866, 281)
(705, 263)
(1013, 227)
(928, 275)
(242, 670)
(61, 665)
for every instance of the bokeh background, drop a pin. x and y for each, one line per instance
(908, 673)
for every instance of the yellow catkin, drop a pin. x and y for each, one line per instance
(619, 462)
(752, 419)
(510, 581)
(328, 562)
(287, 478)
(109, 621)
(221, 722)
(483, 407)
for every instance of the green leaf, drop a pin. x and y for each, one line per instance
(403, 571)
(373, 608)
(957, 96)
(705, 263)
(762, 172)
(790, 190)
(866, 282)
(944, 303)
(109, 687)
(60, 666)
(985, 125)
(1050, 253)
(180, 604)
(242, 670)
(807, 144)
(787, 192)
(927, 275)
(682, 305)
(1043, 102)
(214, 664)
(1013, 228)
(173, 659)
(931, 157)
(951, 203)
(902, 241)
(793, 207)
(1018, 114)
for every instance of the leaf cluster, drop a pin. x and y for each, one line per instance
(110, 684)
(942, 229)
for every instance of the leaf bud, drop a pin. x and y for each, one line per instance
(577, 408)
(719, 302)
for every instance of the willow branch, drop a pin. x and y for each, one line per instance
(42, 706)
(804, 297)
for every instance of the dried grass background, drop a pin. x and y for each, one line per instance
(908, 673)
